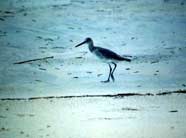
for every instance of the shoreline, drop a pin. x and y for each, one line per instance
(119, 95)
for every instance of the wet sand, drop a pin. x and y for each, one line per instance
(57, 92)
(153, 33)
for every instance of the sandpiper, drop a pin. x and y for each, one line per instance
(105, 55)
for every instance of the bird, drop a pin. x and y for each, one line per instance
(106, 55)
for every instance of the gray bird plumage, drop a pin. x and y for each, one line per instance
(105, 55)
(109, 55)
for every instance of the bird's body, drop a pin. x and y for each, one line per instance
(105, 55)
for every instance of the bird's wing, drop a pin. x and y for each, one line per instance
(106, 53)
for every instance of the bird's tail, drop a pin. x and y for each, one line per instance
(124, 59)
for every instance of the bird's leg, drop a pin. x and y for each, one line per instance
(110, 72)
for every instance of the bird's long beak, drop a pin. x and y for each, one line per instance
(81, 44)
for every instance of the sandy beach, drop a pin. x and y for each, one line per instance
(101, 117)
(50, 89)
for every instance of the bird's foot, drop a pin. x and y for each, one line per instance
(105, 81)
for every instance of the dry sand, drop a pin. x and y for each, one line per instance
(95, 117)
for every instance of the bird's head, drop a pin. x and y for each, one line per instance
(88, 40)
